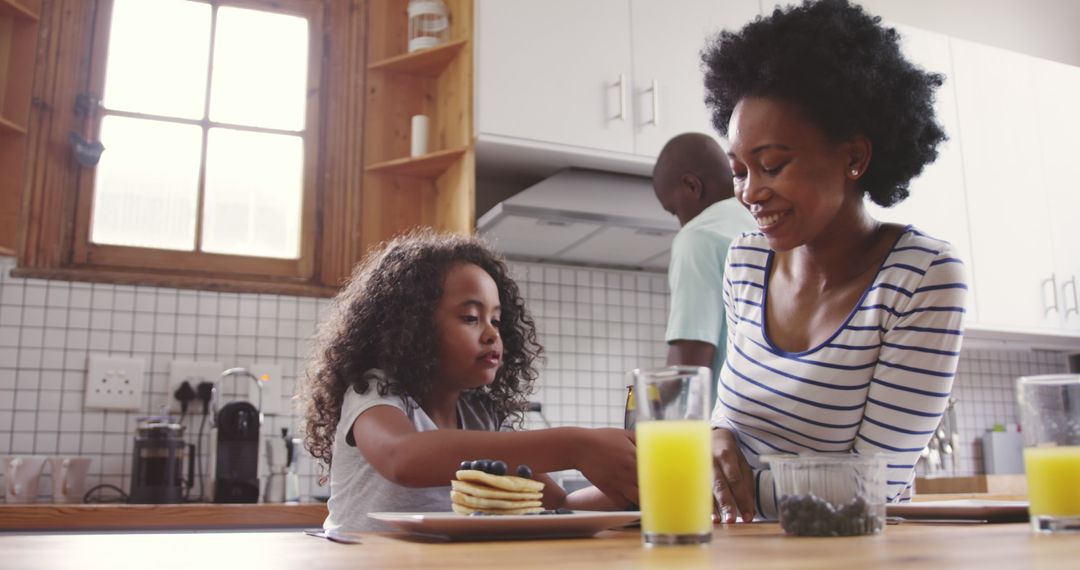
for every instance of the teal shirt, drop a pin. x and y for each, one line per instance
(696, 276)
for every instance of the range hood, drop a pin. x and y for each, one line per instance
(584, 217)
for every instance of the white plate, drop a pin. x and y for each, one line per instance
(961, 509)
(453, 526)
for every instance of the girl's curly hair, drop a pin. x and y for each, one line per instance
(846, 72)
(384, 318)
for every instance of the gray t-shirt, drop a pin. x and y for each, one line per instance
(357, 489)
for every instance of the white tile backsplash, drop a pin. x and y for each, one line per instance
(594, 324)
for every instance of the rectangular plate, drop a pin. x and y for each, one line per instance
(993, 511)
(452, 526)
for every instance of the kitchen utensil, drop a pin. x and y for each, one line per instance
(1050, 420)
(674, 457)
(837, 494)
(157, 467)
(280, 454)
(22, 473)
(69, 478)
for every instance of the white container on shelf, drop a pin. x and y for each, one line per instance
(429, 23)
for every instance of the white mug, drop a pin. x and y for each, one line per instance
(21, 476)
(69, 478)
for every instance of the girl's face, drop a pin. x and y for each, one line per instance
(791, 178)
(467, 327)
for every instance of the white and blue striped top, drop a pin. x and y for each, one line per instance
(879, 384)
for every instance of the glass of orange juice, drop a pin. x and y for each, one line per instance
(1050, 421)
(674, 458)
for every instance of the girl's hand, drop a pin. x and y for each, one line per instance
(608, 459)
(733, 487)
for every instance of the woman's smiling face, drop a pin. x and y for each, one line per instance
(791, 178)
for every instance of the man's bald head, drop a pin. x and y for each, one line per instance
(691, 174)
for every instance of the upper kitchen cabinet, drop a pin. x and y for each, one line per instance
(668, 84)
(18, 43)
(555, 71)
(938, 200)
(1058, 115)
(1013, 264)
(604, 76)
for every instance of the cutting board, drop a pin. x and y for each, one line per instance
(990, 484)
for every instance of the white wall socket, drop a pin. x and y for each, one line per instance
(271, 388)
(192, 372)
(114, 383)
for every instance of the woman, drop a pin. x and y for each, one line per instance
(845, 330)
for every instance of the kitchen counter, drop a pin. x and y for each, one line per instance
(758, 545)
(151, 517)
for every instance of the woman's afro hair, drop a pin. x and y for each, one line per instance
(847, 74)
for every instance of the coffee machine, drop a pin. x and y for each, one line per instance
(234, 448)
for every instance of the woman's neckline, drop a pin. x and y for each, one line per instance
(851, 314)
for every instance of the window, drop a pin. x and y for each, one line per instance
(215, 116)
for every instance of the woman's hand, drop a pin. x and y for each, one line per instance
(608, 459)
(733, 487)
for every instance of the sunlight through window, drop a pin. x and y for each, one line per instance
(164, 101)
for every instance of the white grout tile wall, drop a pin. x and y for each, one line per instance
(594, 323)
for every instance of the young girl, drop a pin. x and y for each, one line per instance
(425, 361)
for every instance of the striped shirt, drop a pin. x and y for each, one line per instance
(879, 384)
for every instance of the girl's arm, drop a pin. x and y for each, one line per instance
(592, 499)
(410, 458)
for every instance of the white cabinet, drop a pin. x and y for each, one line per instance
(1058, 110)
(619, 76)
(996, 93)
(556, 71)
(938, 201)
(669, 86)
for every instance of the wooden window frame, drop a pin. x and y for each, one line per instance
(54, 237)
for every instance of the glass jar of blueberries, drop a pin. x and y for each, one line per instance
(830, 494)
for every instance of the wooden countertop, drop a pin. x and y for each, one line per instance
(758, 545)
(150, 517)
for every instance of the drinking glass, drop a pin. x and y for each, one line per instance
(674, 458)
(1050, 421)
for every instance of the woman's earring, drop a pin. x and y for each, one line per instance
(854, 171)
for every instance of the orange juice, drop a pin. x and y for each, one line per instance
(1053, 474)
(675, 477)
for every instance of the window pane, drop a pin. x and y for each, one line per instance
(254, 192)
(158, 53)
(260, 69)
(146, 184)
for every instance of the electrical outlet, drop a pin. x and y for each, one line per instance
(193, 372)
(114, 383)
(269, 375)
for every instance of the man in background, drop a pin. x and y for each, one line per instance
(692, 180)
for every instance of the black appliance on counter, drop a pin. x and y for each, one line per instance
(157, 466)
(235, 454)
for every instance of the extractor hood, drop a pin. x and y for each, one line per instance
(584, 217)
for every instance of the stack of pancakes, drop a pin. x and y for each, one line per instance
(478, 492)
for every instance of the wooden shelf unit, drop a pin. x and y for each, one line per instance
(426, 166)
(18, 48)
(428, 62)
(437, 189)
